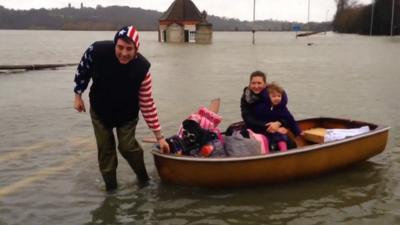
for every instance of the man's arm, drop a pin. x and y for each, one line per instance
(149, 111)
(82, 78)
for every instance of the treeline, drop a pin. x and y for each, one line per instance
(100, 18)
(113, 17)
(265, 25)
(355, 18)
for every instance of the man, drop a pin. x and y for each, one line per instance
(121, 86)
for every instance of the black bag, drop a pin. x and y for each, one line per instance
(194, 137)
(176, 144)
(181, 146)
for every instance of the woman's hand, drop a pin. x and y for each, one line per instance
(282, 130)
(273, 127)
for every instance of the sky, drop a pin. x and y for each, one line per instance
(289, 10)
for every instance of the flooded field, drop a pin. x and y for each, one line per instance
(48, 159)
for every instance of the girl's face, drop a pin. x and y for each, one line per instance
(257, 84)
(275, 97)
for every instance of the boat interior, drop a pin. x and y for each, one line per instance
(315, 128)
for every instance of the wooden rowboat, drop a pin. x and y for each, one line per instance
(308, 159)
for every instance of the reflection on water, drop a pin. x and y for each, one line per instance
(304, 202)
(48, 167)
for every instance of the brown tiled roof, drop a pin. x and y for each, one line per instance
(182, 10)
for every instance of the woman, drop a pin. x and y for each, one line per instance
(255, 107)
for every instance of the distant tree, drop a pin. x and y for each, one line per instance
(352, 17)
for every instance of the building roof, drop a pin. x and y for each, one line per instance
(182, 10)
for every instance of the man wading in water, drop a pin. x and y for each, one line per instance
(121, 86)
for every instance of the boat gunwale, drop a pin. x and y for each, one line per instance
(377, 130)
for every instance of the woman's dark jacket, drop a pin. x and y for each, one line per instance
(257, 110)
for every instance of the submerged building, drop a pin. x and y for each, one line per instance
(183, 22)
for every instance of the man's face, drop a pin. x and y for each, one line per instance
(125, 51)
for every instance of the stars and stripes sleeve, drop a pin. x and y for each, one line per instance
(83, 72)
(147, 105)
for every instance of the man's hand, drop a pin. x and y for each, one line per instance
(79, 105)
(164, 147)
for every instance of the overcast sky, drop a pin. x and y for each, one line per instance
(290, 10)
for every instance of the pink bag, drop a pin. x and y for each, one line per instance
(207, 119)
(262, 139)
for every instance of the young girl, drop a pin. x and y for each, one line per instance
(279, 112)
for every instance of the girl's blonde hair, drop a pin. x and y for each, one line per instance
(273, 86)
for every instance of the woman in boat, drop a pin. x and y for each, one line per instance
(256, 106)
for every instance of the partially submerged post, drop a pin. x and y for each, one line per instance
(254, 21)
(308, 16)
(204, 30)
(372, 17)
(391, 24)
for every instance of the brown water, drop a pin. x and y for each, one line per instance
(48, 163)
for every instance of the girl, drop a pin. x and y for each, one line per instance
(280, 112)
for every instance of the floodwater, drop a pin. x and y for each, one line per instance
(48, 161)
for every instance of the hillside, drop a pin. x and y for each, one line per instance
(113, 17)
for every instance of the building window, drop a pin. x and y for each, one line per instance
(192, 36)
